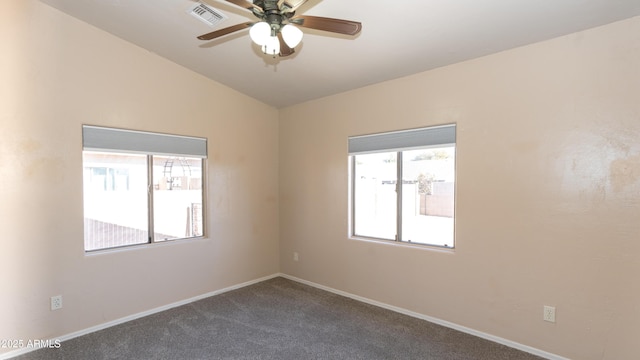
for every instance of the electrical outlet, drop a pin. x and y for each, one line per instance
(295, 256)
(56, 302)
(549, 314)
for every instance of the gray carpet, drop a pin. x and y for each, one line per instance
(278, 319)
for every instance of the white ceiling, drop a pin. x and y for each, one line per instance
(398, 38)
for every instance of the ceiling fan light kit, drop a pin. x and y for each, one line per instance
(275, 33)
(266, 37)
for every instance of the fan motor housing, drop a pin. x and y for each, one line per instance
(272, 15)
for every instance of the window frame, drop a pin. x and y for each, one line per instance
(390, 142)
(104, 140)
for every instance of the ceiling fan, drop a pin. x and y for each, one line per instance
(277, 31)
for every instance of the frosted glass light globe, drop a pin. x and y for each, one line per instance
(260, 33)
(291, 35)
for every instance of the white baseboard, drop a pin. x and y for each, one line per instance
(108, 324)
(448, 324)
(480, 334)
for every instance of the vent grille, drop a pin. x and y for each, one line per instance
(207, 15)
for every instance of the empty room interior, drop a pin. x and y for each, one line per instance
(544, 179)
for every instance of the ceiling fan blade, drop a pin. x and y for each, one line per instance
(339, 26)
(293, 5)
(245, 4)
(225, 31)
(285, 50)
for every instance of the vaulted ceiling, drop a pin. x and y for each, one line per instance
(398, 38)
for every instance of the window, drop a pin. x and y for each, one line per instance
(141, 187)
(402, 185)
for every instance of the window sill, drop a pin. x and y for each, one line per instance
(145, 246)
(427, 247)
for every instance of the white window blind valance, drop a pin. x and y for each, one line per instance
(415, 138)
(111, 139)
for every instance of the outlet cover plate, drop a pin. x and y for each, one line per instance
(549, 314)
(56, 302)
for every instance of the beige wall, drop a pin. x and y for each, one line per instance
(548, 194)
(57, 73)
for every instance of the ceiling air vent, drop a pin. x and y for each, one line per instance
(207, 14)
